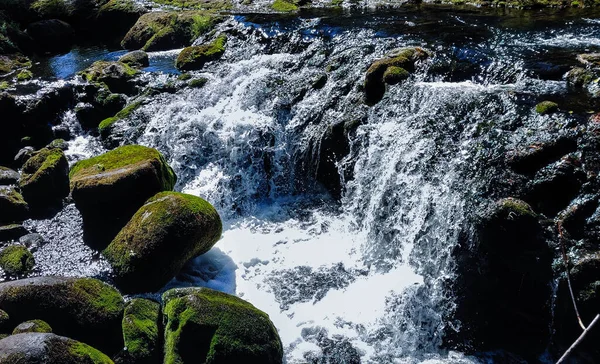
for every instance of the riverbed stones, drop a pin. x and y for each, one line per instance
(110, 188)
(32, 326)
(13, 207)
(16, 261)
(32, 348)
(208, 326)
(195, 57)
(85, 309)
(404, 61)
(162, 30)
(141, 333)
(44, 179)
(137, 59)
(160, 238)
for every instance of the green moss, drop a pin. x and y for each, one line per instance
(32, 326)
(16, 260)
(24, 75)
(106, 124)
(140, 328)
(40, 167)
(9, 63)
(51, 8)
(184, 77)
(115, 80)
(195, 57)
(4, 85)
(546, 107)
(124, 6)
(201, 24)
(283, 6)
(517, 207)
(100, 295)
(395, 74)
(198, 4)
(198, 82)
(88, 354)
(337, 2)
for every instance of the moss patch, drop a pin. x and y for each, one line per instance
(106, 125)
(284, 6)
(32, 326)
(198, 82)
(16, 260)
(9, 63)
(546, 107)
(193, 58)
(88, 354)
(44, 177)
(24, 75)
(516, 208)
(141, 329)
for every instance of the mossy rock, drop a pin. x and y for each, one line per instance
(284, 6)
(198, 82)
(589, 59)
(24, 75)
(32, 326)
(546, 107)
(34, 348)
(115, 76)
(579, 77)
(138, 59)
(13, 207)
(105, 127)
(141, 332)
(44, 180)
(8, 176)
(212, 327)
(110, 188)
(394, 75)
(195, 57)
(16, 261)
(404, 58)
(219, 5)
(170, 229)
(58, 144)
(159, 31)
(10, 63)
(85, 309)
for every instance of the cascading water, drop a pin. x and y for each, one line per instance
(361, 280)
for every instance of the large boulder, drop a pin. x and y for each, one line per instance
(170, 229)
(141, 332)
(110, 188)
(158, 31)
(52, 35)
(16, 261)
(116, 76)
(393, 68)
(13, 207)
(82, 308)
(35, 348)
(207, 326)
(32, 326)
(503, 288)
(194, 58)
(44, 180)
(136, 59)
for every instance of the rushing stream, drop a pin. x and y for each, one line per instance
(360, 279)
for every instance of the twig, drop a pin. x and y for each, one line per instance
(566, 261)
(579, 339)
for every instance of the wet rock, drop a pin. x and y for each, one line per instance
(106, 126)
(110, 188)
(44, 181)
(116, 76)
(8, 176)
(170, 229)
(138, 59)
(12, 232)
(52, 35)
(211, 326)
(198, 82)
(117, 16)
(32, 241)
(531, 158)
(503, 282)
(101, 106)
(404, 58)
(579, 77)
(33, 348)
(13, 62)
(546, 107)
(82, 308)
(13, 207)
(195, 57)
(141, 331)
(16, 261)
(574, 219)
(334, 145)
(319, 82)
(158, 31)
(23, 155)
(32, 326)
(589, 59)
(58, 144)
(394, 75)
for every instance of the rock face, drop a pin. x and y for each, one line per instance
(395, 67)
(52, 35)
(160, 238)
(84, 309)
(141, 331)
(504, 282)
(16, 260)
(33, 348)
(110, 188)
(13, 207)
(194, 58)
(116, 76)
(207, 326)
(136, 59)
(158, 31)
(32, 326)
(44, 179)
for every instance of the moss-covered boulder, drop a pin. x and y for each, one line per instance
(158, 31)
(203, 325)
(194, 58)
(579, 77)
(52, 35)
(404, 58)
(170, 229)
(8, 176)
(110, 188)
(589, 59)
(394, 75)
(136, 59)
(85, 309)
(546, 107)
(13, 207)
(13, 62)
(284, 6)
(44, 180)
(16, 261)
(141, 332)
(35, 348)
(117, 16)
(115, 76)
(32, 326)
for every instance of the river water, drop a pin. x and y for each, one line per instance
(359, 279)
